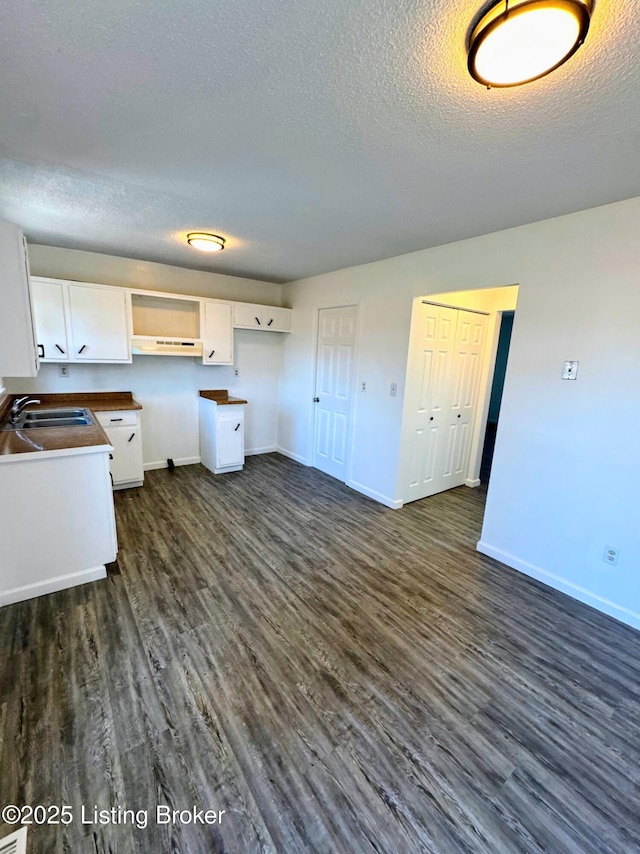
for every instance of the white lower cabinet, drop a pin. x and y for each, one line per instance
(57, 526)
(124, 433)
(221, 436)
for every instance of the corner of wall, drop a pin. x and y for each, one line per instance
(563, 585)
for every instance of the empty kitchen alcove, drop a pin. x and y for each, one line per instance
(156, 315)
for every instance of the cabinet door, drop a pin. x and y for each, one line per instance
(230, 441)
(18, 354)
(263, 317)
(51, 326)
(247, 316)
(126, 463)
(99, 324)
(275, 319)
(217, 336)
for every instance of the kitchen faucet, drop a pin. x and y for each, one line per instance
(18, 405)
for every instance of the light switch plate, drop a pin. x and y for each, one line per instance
(570, 370)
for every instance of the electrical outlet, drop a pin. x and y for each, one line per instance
(363, 386)
(611, 556)
(393, 389)
(236, 372)
(570, 370)
(63, 370)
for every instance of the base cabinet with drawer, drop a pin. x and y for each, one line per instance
(221, 436)
(123, 430)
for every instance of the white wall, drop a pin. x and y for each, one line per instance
(565, 472)
(129, 273)
(166, 386)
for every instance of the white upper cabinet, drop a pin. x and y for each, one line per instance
(217, 333)
(18, 354)
(99, 324)
(265, 318)
(81, 323)
(85, 322)
(51, 322)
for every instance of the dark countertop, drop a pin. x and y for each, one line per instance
(63, 438)
(98, 401)
(221, 397)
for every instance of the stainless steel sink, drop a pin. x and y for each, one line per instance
(70, 417)
(48, 414)
(55, 422)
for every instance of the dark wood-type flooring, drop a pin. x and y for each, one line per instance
(337, 676)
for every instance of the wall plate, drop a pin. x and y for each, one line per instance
(570, 370)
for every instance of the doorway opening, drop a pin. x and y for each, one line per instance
(495, 396)
(452, 355)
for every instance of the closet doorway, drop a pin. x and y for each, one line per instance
(452, 351)
(442, 397)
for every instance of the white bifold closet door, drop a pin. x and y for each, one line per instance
(442, 394)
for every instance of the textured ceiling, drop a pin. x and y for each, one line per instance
(313, 136)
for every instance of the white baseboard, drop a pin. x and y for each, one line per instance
(51, 585)
(472, 482)
(619, 612)
(250, 452)
(162, 464)
(393, 503)
(292, 456)
(130, 484)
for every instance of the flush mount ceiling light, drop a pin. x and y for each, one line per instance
(205, 242)
(518, 41)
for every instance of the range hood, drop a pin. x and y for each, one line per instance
(146, 345)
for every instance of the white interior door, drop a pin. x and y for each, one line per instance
(334, 389)
(442, 390)
(464, 377)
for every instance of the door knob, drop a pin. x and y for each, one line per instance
(431, 419)
(458, 415)
(316, 400)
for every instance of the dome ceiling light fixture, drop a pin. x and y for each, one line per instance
(205, 242)
(517, 41)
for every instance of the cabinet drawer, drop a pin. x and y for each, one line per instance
(126, 418)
